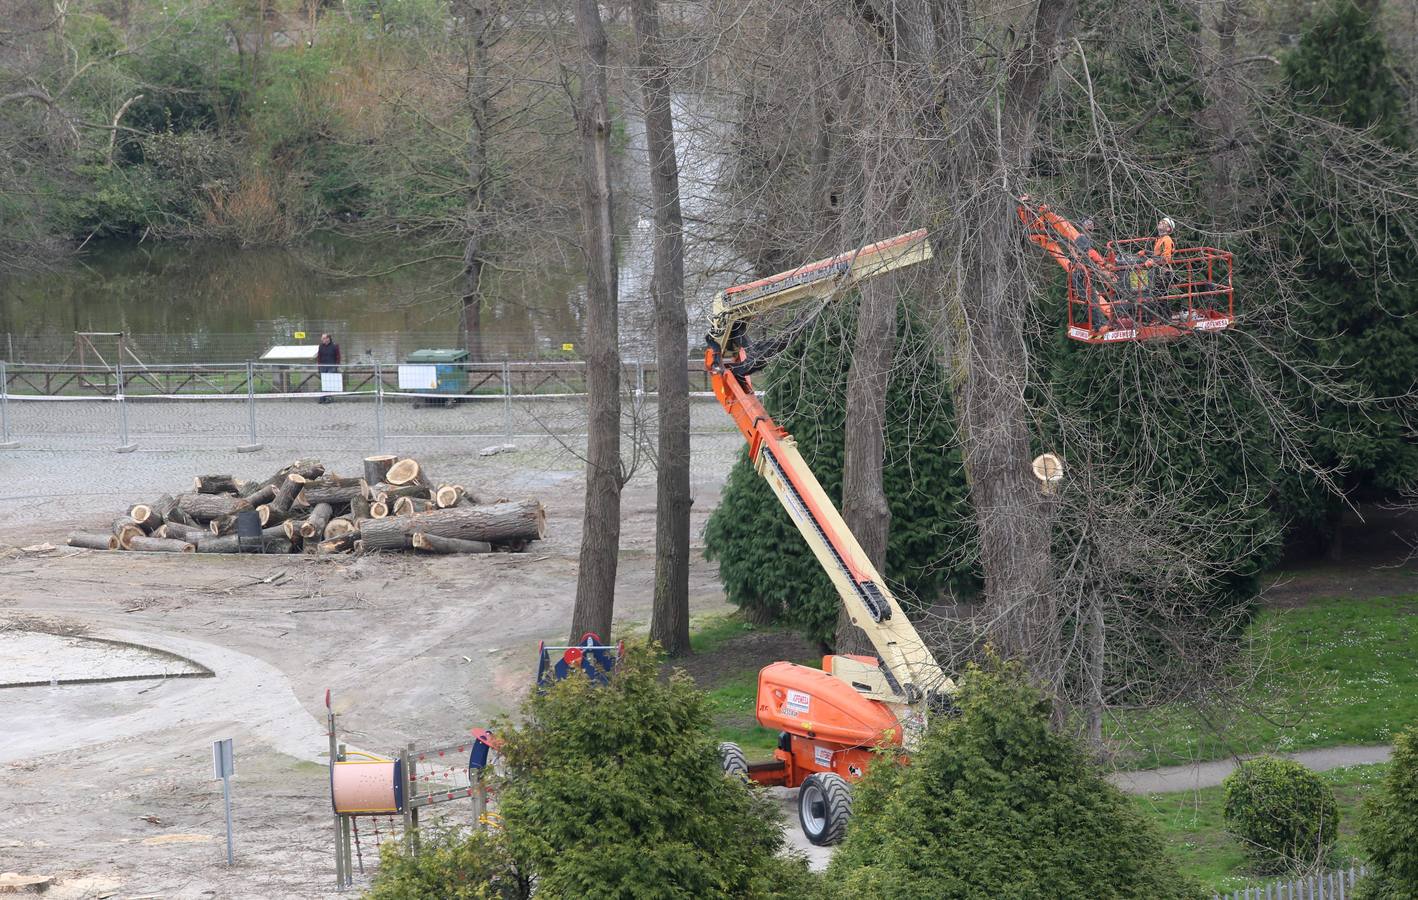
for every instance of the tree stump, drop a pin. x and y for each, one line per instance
(376, 467)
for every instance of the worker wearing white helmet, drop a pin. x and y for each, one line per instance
(1164, 246)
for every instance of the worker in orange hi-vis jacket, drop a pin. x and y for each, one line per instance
(1164, 246)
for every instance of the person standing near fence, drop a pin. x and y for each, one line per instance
(327, 359)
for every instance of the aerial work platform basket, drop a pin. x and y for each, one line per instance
(1128, 292)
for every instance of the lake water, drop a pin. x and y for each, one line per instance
(215, 302)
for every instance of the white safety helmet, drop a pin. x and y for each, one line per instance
(1167, 223)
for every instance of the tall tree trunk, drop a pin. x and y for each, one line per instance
(669, 620)
(600, 531)
(476, 92)
(864, 504)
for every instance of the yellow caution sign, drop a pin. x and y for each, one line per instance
(300, 335)
(568, 347)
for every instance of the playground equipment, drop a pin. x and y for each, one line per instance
(370, 786)
(829, 720)
(1132, 290)
(590, 656)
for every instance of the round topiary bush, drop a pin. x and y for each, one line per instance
(1283, 813)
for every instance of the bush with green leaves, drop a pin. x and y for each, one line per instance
(995, 803)
(618, 791)
(1388, 831)
(766, 567)
(1283, 813)
(450, 865)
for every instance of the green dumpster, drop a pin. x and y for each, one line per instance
(451, 369)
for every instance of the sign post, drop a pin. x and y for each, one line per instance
(224, 766)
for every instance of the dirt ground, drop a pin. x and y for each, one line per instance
(109, 787)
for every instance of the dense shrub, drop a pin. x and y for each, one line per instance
(1388, 831)
(451, 865)
(1283, 813)
(993, 804)
(618, 791)
(766, 567)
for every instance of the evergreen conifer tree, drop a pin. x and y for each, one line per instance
(1360, 275)
(766, 567)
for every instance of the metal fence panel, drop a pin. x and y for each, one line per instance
(1335, 885)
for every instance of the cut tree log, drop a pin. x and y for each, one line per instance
(378, 509)
(359, 507)
(391, 492)
(314, 527)
(160, 545)
(214, 484)
(285, 494)
(150, 516)
(261, 495)
(125, 529)
(178, 532)
(335, 491)
(269, 515)
(339, 543)
(407, 506)
(305, 468)
(224, 525)
(448, 495)
(206, 507)
(498, 523)
(435, 544)
(291, 529)
(339, 526)
(93, 541)
(405, 471)
(376, 467)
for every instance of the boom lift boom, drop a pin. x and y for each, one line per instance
(829, 720)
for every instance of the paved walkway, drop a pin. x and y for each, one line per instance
(1211, 774)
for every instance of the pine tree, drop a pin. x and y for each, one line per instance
(764, 564)
(1360, 314)
(996, 804)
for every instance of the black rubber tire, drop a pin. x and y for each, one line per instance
(732, 757)
(824, 807)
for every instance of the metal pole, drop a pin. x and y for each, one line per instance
(378, 408)
(506, 402)
(5, 442)
(339, 819)
(123, 445)
(226, 795)
(251, 446)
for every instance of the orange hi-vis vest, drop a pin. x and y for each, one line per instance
(1162, 248)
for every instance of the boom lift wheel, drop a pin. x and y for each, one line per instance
(824, 806)
(735, 763)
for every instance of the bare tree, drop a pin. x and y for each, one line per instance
(473, 31)
(669, 620)
(600, 531)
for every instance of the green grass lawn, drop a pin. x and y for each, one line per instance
(1191, 823)
(1332, 672)
(732, 700)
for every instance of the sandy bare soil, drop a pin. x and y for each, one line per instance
(109, 786)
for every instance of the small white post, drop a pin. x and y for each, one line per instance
(224, 766)
(378, 408)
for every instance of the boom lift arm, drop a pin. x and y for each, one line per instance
(905, 672)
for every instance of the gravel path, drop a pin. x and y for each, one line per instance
(1210, 774)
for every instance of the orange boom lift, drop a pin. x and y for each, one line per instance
(829, 720)
(1126, 293)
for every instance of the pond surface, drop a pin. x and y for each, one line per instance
(181, 302)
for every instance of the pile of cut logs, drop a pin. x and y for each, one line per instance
(393, 506)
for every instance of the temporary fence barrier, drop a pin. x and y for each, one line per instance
(1337, 885)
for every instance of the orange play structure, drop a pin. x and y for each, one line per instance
(1129, 292)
